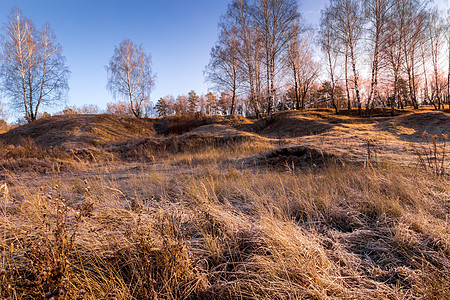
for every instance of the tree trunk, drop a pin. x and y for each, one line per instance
(349, 106)
(332, 79)
(448, 76)
(297, 94)
(374, 81)
(233, 99)
(394, 97)
(355, 79)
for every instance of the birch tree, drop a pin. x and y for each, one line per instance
(250, 53)
(303, 70)
(436, 30)
(377, 13)
(415, 30)
(327, 42)
(348, 24)
(33, 69)
(223, 68)
(247, 49)
(130, 75)
(274, 19)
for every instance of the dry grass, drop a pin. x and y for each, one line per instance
(194, 222)
(180, 124)
(340, 232)
(29, 157)
(79, 131)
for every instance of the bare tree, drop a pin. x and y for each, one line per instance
(274, 19)
(33, 68)
(415, 25)
(393, 53)
(327, 42)
(249, 51)
(130, 75)
(119, 108)
(436, 35)
(223, 68)
(212, 104)
(348, 22)
(377, 13)
(426, 95)
(448, 49)
(303, 69)
(251, 54)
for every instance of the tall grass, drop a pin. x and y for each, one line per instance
(211, 229)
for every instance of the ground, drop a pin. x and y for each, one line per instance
(297, 205)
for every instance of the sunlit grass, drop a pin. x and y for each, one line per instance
(193, 220)
(227, 232)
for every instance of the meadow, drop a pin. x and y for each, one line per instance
(297, 205)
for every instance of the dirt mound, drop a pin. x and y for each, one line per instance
(208, 136)
(180, 124)
(218, 129)
(211, 136)
(431, 122)
(296, 157)
(410, 127)
(79, 131)
(291, 124)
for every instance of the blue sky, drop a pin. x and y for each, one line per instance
(178, 33)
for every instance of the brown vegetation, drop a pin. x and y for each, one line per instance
(340, 213)
(75, 131)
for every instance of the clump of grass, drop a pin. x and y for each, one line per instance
(26, 148)
(38, 265)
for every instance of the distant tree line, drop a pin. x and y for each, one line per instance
(391, 53)
(192, 103)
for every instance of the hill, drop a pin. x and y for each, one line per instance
(76, 131)
(348, 138)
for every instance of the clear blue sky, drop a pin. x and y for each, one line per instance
(178, 33)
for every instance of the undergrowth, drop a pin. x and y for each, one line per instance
(214, 232)
(185, 217)
(432, 154)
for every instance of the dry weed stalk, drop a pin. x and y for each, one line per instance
(432, 155)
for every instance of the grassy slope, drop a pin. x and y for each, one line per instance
(69, 131)
(195, 222)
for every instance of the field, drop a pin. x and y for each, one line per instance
(297, 205)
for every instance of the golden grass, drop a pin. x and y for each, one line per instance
(69, 131)
(181, 217)
(206, 230)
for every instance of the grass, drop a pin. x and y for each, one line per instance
(340, 232)
(198, 224)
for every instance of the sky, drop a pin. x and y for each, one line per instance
(177, 33)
